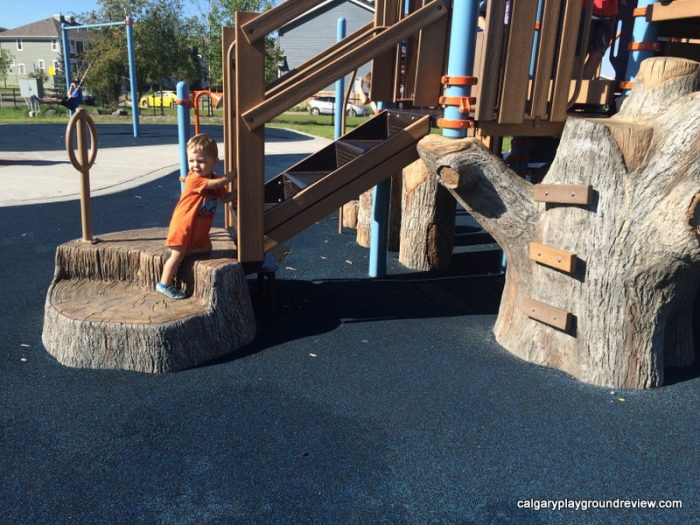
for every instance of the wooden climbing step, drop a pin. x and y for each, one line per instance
(675, 10)
(563, 193)
(553, 257)
(547, 314)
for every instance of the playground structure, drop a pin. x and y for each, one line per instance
(513, 95)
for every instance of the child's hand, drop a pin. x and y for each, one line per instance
(231, 197)
(231, 175)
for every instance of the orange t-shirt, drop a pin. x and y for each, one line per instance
(194, 214)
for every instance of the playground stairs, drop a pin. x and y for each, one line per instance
(340, 172)
(102, 311)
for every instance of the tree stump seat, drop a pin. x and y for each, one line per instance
(102, 310)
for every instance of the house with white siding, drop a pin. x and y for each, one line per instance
(37, 47)
(315, 31)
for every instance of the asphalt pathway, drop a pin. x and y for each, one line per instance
(362, 401)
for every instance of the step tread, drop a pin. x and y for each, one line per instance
(303, 179)
(120, 302)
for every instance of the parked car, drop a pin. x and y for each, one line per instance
(326, 106)
(159, 98)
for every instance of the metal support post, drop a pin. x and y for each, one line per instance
(183, 127)
(132, 74)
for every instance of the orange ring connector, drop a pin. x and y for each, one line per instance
(464, 103)
(644, 46)
(183, 102)
(458, 81)
(455, 124)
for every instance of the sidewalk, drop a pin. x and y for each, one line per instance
(46, 175)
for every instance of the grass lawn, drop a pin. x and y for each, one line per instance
(319, 126)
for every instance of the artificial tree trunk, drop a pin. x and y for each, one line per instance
(364, 216)
(427, 220)
(606, 292)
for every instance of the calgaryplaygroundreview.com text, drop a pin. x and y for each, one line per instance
(588, 504)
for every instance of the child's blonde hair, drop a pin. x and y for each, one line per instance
(203, 143)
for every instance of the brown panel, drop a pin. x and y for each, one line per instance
(250, 144)
(342, 65)
(491, 60)
(429, 67)
(563, 193)
(350, 171)
(683, 28)
(565, 63)
(529, 128)
(228, 37)
(412, 49)
(275, 18)
(384, 64)
(308, 215)
(682, 50)
(517, 65)
(673, 11)
(598, 91)
(546, 314)
(554, 257)
(545, 58)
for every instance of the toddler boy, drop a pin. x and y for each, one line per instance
(194, 212)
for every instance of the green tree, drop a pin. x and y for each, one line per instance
(162, 47)
(59, 77)
(5, 63)
(222, 13)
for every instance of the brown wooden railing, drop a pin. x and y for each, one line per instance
(249, 103)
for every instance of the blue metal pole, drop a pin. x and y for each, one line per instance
(132, 74)
(642, 31)
(66, 55)
(379, 227)
(465, 14)
(535, 43)
(183, 128)
(339, 86)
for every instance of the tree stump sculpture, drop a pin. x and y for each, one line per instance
(604, 255)
(102, 311)
(427, 220)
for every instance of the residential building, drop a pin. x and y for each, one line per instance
(37, 47)
(314, 31)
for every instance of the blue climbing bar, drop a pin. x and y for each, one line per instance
(183, 127)
(339, 86)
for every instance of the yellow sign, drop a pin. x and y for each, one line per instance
(52, 71)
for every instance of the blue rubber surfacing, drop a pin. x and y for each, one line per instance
(362, 401)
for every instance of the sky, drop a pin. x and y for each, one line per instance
(28, 11)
